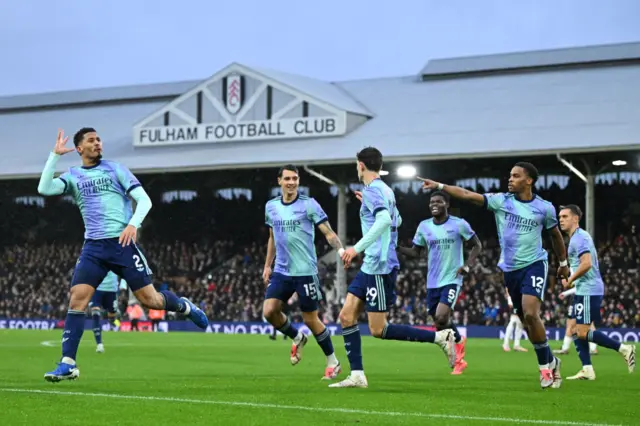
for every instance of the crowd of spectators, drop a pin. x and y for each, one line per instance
(211, 249)
(224, 278)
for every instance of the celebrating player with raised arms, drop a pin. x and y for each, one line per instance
(589, 291)
(443, 237)
(373, 289)
(520, 218)
(101, 190)
(292, 218)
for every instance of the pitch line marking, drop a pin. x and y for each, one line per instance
(303, 408)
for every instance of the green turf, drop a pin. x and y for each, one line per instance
(407, 381)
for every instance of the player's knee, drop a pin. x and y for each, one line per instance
(376, 331)
(581, 332)
(80, 296)
(530, 316)
(271, 312)
(441, 321)
(95, 311)
(347, 319)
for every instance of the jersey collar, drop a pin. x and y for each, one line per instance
(92, 167)
(291, 202)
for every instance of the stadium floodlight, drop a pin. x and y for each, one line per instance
(406, 171)
(619, 163)
(383, 173)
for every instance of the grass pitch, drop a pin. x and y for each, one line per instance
(210, 379)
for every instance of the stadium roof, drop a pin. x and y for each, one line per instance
(579, 109)
(609, 54)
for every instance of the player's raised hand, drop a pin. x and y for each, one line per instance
(128, 236)
(60, 147)
(266, 274)
(348, 256)
(428, 183)
(358, 195)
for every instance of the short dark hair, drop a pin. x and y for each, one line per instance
(441, 194)
(289, 167)
(531, 170)
(573, 209)
(371, 158)
(79, 136)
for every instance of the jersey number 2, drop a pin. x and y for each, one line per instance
(140, 264)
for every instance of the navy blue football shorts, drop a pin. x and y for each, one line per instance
(447, 295)
(98, 257)
(377, 291)
(282, 287)
(531, 280)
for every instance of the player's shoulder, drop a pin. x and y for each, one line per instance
(457, 220)
(277, 199)
(541, 201)
(583, 234)
(426, 224)
(109, 164)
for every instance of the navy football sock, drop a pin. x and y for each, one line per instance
(172, 303)
(324, 340)
(288, 330)
(73, 329)
(543, 352)
(97, 329)
(406, 332)
(456, 333)
(353, 346)
(601, 339)
(582, 346)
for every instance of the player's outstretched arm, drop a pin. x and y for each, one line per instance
(454, 191)
(330, 235)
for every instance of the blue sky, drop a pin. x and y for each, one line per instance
(76, 44)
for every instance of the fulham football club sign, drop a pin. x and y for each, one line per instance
(239, 104)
